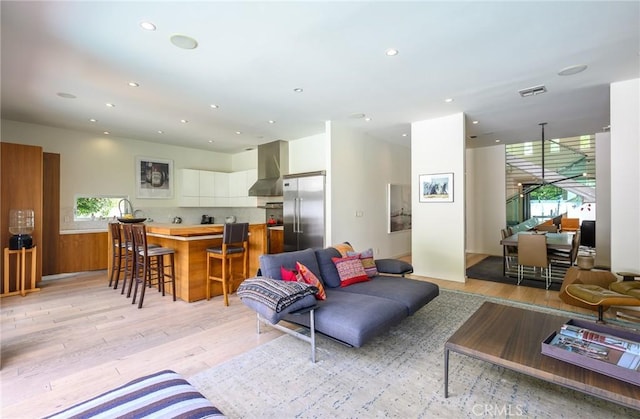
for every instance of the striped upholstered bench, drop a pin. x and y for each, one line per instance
(164, 394)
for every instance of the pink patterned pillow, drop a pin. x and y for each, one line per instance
(350, 270)
(368, 263)
(309, 278)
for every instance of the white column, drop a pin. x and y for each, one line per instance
(438, 228)
(625, 176)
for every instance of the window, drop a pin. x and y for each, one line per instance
(90, 207)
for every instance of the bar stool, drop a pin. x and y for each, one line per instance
(149, 263)
(128, 255)
(118, 253)
(235, 244)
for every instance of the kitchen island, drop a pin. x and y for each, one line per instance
(190, 243)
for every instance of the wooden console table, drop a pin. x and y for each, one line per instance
(512, 338)
(21, 271)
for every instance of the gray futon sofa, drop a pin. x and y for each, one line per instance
(356, 313)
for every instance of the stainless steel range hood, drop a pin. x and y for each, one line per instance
(273, 162)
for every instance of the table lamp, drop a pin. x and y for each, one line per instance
(21, 226)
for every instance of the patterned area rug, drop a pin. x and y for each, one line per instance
(399, 374)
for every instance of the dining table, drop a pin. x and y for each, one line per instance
(555, 241)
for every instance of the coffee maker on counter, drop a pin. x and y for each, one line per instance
(206, 219)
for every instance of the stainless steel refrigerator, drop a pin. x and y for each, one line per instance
(303, 211)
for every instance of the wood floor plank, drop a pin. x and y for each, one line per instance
(77, 337)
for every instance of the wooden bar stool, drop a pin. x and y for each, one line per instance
(118, 254)
(149, 264)
(235, 244)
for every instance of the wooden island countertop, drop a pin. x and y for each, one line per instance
(185, 230)
(190, 243)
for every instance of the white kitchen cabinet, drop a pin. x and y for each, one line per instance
(221, 190)
(189, 183)
(204, 188)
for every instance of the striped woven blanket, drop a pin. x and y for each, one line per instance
(273, 293)
(164, 394)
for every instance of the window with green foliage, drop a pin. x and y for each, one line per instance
(547, 193)
(92, 207)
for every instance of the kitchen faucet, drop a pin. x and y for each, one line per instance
(128, 207)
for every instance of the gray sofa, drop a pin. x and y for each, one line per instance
(356, 313)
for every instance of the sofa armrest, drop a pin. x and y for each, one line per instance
(393, 266)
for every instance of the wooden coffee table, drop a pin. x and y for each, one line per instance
(511, 337)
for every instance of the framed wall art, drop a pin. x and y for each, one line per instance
(399, 208)
(154, 178)
(437, 187)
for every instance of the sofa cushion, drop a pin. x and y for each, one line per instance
(411, 293)
(366, 257)
(353, 318)
(343, 248)
(328, 272)
(288, 274)
(350, 270)
(309, 278)
(270, 264)
(393, 266)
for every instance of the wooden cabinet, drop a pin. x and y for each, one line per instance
(276, 240)
(83, 252)
(21, 170)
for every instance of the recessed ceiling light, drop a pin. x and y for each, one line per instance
(184, 42)
(298, 90)
(448, 100)
(110, 105)
(106, 133)
(497, 141)
(66, 95)
(271, 121)
(160, 131)
(475, 122)
(367, 119)
(213, 106)
(574, 69)
(93, 120)
(184, 121)
(391, 52)
(404, 135)
(133, 84)
(238, 132)
(148, 26)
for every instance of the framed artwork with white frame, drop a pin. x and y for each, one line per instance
(154, 178)
(398, 208)
(436, 187)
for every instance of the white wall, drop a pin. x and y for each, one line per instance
(438, 244)
(603, 199)
(485, 199)
(360, 169)
(625, 176)
(308, 154)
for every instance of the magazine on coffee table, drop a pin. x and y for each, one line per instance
(611, 351)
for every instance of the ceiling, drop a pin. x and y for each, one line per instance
(252, 55)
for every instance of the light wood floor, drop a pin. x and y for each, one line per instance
(77, 337)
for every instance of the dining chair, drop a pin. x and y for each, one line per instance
(509, 251)
(549, 228)
(532, 252)
(235, 245)
(567, 257)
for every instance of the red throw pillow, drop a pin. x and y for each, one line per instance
(309, 278)
(288, 275)
(350, 270)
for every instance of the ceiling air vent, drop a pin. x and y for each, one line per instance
(532, 91)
